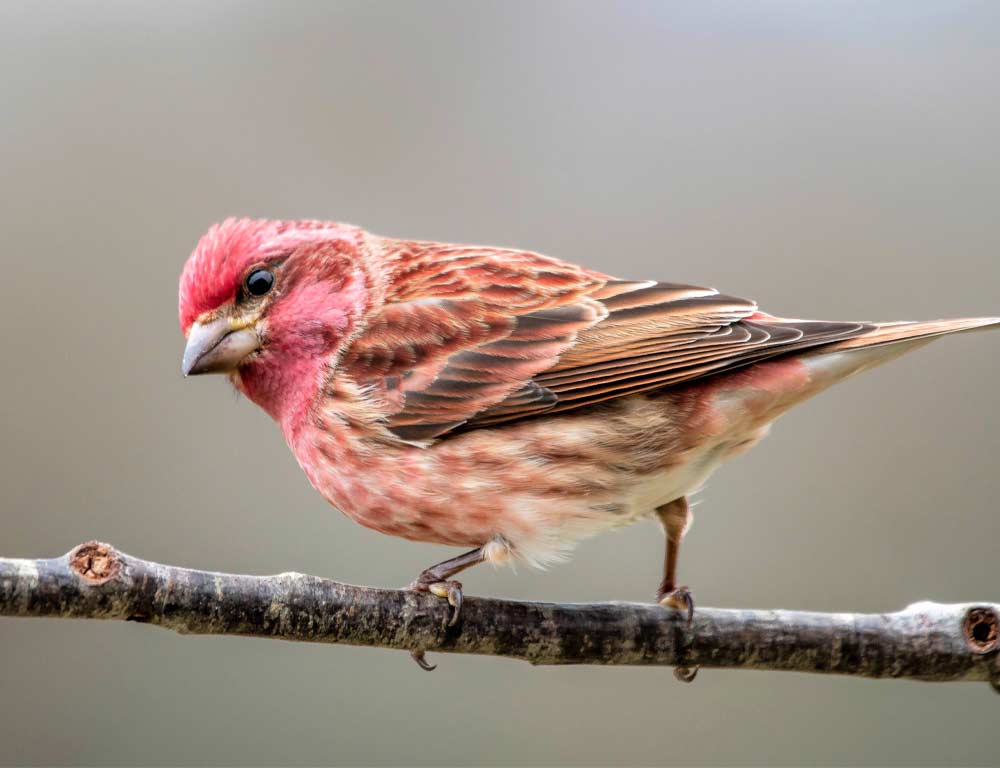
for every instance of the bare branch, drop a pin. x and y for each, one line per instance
(926, 641)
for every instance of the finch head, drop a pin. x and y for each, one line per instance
(268, 303)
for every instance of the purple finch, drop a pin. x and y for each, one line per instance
(500, 399)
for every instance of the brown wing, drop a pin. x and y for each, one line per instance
(479, 336)
(463, 329)
(657, 335)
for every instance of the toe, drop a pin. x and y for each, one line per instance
(452, 592)
(440, 589)
(421, 658)
(681, 600)
(686, 674)
(455, 600)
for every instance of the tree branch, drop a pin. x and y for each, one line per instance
(926, 641)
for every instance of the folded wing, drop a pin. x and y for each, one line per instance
(476, 336)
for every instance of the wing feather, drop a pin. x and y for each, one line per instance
(474, 336)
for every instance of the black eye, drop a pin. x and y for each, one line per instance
(259, 282)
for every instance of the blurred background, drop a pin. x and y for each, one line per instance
(833, 160)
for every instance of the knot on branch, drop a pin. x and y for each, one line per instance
(95, 562)
(981, 630)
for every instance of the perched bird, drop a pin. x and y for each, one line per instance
(500, 399)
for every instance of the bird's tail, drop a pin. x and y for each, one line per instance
(834, 362)
(828, 364)
(907, 331)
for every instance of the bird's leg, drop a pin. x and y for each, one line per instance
(675, 518)
(437, 580)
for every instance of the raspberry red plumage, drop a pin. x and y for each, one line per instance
(212, 275)
(469, 395)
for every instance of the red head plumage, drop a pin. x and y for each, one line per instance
(321, 285)
(212, 275)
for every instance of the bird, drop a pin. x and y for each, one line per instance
(499, 399)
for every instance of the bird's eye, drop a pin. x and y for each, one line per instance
(259, 282)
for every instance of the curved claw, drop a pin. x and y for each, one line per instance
(455, 600)
(452, 592)
(686, 674)
(680, 599)
(421, 658)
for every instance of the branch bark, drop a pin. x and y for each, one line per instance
(925, 641)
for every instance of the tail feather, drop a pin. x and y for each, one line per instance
(839, 360)
(831, 363)
(890, 333)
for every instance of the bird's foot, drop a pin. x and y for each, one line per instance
(680, 599)
(446, 590)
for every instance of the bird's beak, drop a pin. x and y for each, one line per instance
(218, 346)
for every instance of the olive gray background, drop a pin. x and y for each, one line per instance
(834, 160)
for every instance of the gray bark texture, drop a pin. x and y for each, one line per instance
(925, 641)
